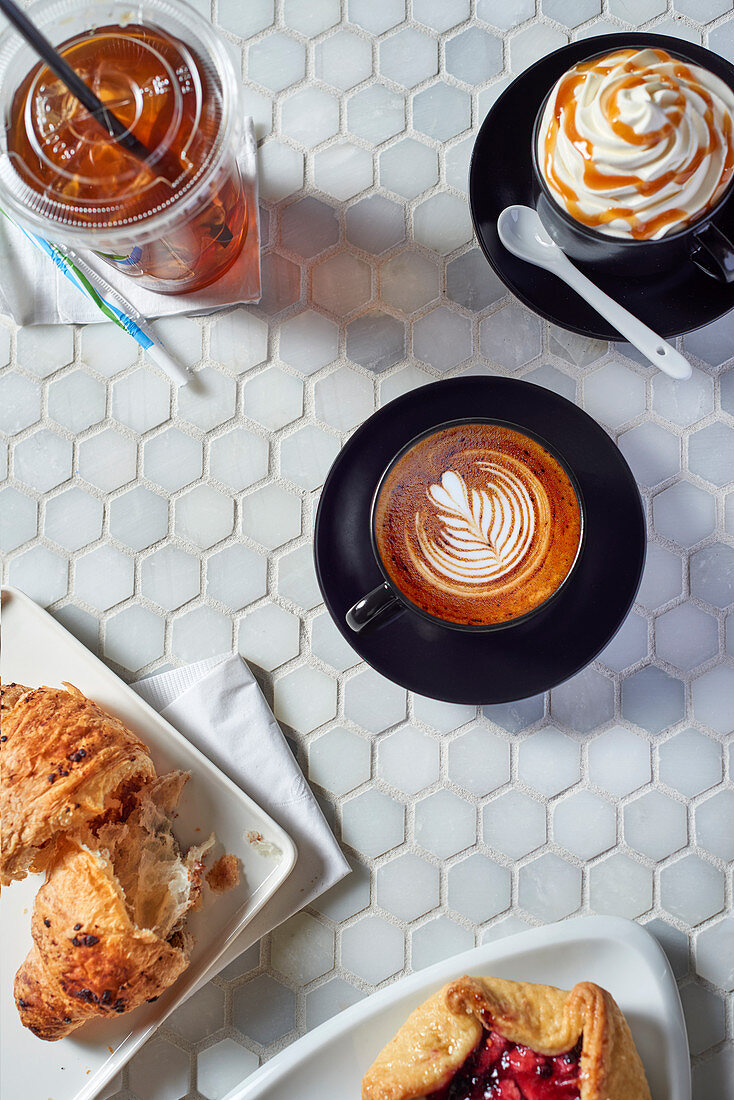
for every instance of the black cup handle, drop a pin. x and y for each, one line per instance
(375, 603)
(714, 253)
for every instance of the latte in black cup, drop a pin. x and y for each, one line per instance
(477, 524)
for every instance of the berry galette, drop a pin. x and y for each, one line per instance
(491, 1039)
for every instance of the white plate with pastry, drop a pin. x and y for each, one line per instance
(576, 1042)
(116, 808)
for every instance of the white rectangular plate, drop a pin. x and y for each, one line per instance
(37, 650)
(329, 1062)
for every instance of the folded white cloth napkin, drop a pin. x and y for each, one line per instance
(34, 292)
(217, 705)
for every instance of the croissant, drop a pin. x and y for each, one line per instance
(107, 922)
(64, 762)
(521, 1040)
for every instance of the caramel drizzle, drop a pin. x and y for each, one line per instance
(564, 118)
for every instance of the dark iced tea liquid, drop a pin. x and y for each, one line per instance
(172, 101)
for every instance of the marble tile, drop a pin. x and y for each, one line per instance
(479, 761)
(444, 823)
(134, 637)
(44, 349)
(711, 695)
(376, 18)
(138, 517)
(310, 116)
(373, 949)
(203, 516)
(43, 460)
(236, 576)
(18, 518)
(276, 61)
(209, 400)
(714, 953)
(104, 577)
(273, 398)
(583, 702)
(305, 699)
(514, 824)
(619, 761)
(620, 887)
(341, 284)
(329, 645)
(442, 339)
(297, 578)
(20, 402)
(653, 699)
(269, 636)
(306, 456)
(41, 573)
(376, 341)
(478, 888)
(408, 57)
(375, 224)
(408, 887)
(339, 760)
(438, 939)
(409, 760)
(170, 577)
(442, 223)
(311, 17)
(302, 949)
(343, 399)
(511, 337)
(271, 516)
(172, 459)
(584, 824)
(686, 636)
(343, 170)
(223, 1066)
(307, 227)
(376, 113)
(714, 824)
(473, 56)
(239, 458)
(549, 887)
(408, 168)
(343, 60)
(373, 823)
(239, 341)
(160, 1071)
(691, 889)
(690, 762)
(549, 761)
(655, 825)
(652, 452)
(684, 513)
(264, 1009)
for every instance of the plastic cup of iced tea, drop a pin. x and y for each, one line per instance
(174, 215)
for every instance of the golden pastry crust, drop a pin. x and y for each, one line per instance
(88, 958)
(63, 762)
(438, 1037)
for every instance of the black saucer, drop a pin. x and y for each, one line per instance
(501, 174)
(521, 660)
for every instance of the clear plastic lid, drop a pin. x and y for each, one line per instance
(163, 71)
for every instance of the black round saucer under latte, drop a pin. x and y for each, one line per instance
(501, 174)
(518, 661)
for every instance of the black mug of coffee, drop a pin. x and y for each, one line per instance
(476, 525)
(699, 241)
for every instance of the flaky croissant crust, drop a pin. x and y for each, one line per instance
(438, 1037)
(63, 761)
(88, 959)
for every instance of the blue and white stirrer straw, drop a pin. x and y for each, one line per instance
(104, 296)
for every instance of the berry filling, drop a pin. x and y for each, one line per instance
(501, 1070)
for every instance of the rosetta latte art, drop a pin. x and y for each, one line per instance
(477, 524)
(485, 532)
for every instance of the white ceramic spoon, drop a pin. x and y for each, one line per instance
(522, 233)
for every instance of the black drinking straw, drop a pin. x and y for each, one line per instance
(81, 91)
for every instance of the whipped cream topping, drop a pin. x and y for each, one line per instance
(637, 143)
(482, 533)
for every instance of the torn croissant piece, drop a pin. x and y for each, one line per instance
(503, 1040)
(108, 921)
(63, 763)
